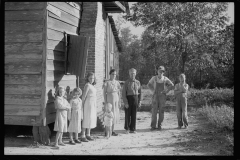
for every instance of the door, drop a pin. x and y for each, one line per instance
(77, 56)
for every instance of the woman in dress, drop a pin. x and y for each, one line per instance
(89, 107)
(112, 95)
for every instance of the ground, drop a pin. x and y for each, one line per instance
(199, 139)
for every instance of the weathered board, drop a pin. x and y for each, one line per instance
(67, 8)
(19, 120)
(22, 99)
(23, 66)
(21, 110)
(57, 76)
(23, 89)
(21, 36)
(55, 35)
(55, 55)
(55, 45)
(65, 17)
(22, 79)
(23, 15)
(55, 65)
(24, 25)
(36, 47)
(24, 55)
(23, 5)
(61, 26)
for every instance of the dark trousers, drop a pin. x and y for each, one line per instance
(131, 113)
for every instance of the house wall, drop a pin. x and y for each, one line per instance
(62, 17)
(24, 42)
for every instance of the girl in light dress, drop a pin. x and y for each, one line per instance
(89, 98)
(108, 120)
(75, 116)
(180, 92)
(62, 106)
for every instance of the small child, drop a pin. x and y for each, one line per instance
(75, 116)
(108, 120)
(62, 106)
(180, 92)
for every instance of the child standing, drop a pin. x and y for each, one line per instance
(108, 120)
(75, 116)
(62, 106)
(180, 92)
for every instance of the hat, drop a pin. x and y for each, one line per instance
(132, 70)
(161, 68)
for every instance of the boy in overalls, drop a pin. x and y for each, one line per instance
(158, 85)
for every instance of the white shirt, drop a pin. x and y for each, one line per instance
(156, 79)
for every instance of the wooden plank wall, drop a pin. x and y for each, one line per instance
(23, 62)
(62, 17)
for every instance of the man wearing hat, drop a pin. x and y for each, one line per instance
(159, 85)
(131, 94)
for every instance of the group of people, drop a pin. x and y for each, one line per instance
(82, 113)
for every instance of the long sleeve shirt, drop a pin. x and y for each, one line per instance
(152, 83)
(131, 87)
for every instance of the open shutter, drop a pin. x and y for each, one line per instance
(77, 55)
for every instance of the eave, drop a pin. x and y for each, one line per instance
(115, 33)
(116, 7)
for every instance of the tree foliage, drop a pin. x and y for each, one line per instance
(186, 37)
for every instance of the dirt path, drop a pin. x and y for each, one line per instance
(198, 139)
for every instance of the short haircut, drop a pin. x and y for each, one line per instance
(77, 90)
(112, 70)
(132, 70)
(182, 75)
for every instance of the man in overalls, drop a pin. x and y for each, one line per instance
(158, 85)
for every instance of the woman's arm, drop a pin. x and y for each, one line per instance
(150, 84)
(85, 91)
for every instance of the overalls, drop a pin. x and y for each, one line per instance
(158, 103)
(182, 109)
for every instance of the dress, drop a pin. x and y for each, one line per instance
(61, 104)
(112, 89)
(76, 114)
(90, 108)
(108, 119)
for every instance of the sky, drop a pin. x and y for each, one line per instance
(139, 30)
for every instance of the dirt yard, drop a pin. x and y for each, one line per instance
(199, 139)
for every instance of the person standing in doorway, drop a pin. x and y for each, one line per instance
(131, 94)
(160, 85)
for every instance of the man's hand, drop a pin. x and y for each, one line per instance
(140, 103)
(126, 105)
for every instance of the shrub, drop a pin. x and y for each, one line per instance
(220, 116)
(211, 96)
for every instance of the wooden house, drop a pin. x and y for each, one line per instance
(55, 43)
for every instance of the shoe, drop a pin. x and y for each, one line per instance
(185, 127)
(179, 127)
(77, 141)
(114, 134)
(127, 131)
(133, 132)
(72, 142)
(56, 146)
(153, 128)
(89, 138)
(159, 128)
(61, 144)
(84, 139)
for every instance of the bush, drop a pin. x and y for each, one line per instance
(211, 96)
(220, 116)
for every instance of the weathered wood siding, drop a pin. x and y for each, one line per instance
(62, 17)
(24, 23)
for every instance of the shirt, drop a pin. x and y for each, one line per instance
(131, 87)
(152, 82)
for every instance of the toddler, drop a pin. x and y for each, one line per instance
(108, 120)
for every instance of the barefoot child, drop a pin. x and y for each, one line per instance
(75, 116)
(108, 120)
(62, 106)
(180, 92)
